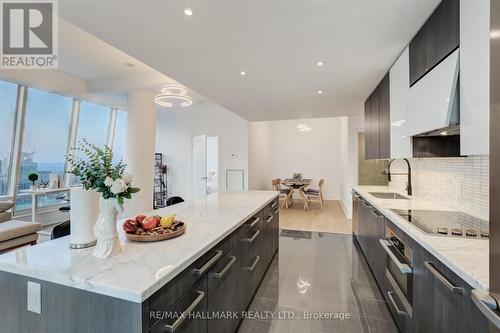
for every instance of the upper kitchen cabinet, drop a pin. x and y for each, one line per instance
(437, 38)
(474, 76)
(399, 94)
(377, 122)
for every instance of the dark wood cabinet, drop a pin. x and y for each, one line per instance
(364, 216)
(371, 230)
(375, 125)
(222, 278)
(227, 277)
(443, 300)
(194, 301)
(437, 38)
(377, 122)
(368, 128)
(384, 118)
(378, 259)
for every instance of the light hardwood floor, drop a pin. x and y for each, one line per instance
(329, 219)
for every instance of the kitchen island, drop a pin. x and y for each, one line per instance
(216, 266)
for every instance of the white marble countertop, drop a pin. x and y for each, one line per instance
(468, 258)
(141, 268)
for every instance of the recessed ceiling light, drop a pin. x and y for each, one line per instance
(243, 73)
(303, 128)
(495, 34)
(129, 64)
(320, 63)
(320, 92)
(188, 11)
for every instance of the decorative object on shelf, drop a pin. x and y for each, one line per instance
(160, 183)
(44, 183)
(173, 92)
(33, 177)
(98, 173)
(297, 176)
(54, 180)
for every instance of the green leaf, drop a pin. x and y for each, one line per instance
(133, 190)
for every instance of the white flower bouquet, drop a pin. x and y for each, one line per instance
(96, 171)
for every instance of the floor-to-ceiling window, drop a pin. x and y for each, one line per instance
(93, 124)
(45, 137)
(8, 98)
(42, 122)
(119, 139)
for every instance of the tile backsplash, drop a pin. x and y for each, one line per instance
(461, 183)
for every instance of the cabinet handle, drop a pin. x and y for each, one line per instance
(223, 272)
(487, 305)
(269, 219)
(454, 289)
(185, 313)
(398, 310)
(254, 223)
(250, 240)
(275, 211)
(376, 213)
(403, 268)
(251, 268)
(273, 204)
(208, 264)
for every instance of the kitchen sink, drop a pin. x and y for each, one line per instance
(388, 195)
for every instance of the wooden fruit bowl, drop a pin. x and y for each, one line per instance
(158, 237)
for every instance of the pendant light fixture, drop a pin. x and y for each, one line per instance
(172, 93)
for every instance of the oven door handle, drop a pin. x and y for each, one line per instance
(403, 268)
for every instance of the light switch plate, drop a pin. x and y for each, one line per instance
(34, 295)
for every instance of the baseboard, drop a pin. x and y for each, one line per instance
(345, 210)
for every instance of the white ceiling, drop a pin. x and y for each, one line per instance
(106, 69)
(276, 42)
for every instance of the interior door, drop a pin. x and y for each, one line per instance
(199, 180)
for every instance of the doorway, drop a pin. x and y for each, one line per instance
(206, 165)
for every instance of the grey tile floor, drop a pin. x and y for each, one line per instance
(318, 274)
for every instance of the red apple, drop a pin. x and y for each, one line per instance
(158, 218)
(130, 226)
(140, 218)
(149, 223)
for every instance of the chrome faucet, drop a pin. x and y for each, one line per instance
(409, 189)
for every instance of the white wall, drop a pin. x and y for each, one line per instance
(355, 124)
(175, 129)
(278, 150)
(259, 155)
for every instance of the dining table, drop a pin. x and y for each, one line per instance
(297, 185)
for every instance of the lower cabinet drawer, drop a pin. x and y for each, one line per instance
(222, 285)
(165, 297)
(187, 314)
(402, 316)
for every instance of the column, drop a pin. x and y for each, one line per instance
(140, 141)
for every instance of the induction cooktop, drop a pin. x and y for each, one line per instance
(446, 223)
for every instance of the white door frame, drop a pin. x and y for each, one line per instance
(207, 134)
